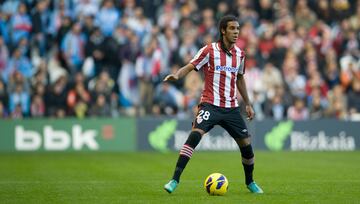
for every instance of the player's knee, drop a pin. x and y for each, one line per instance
(193, 139)
(202, 132)
(247, 152)
(243, 142)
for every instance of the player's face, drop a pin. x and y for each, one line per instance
(232, 31)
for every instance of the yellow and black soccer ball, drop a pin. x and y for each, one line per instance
(216, 184)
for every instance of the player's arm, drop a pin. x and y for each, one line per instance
(183, 71)
(241, 85)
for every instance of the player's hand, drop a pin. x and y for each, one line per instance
(171, 77)
(250, 112)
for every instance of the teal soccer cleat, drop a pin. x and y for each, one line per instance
(254, 188)
(171, 186)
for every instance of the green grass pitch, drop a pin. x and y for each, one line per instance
(286, 177)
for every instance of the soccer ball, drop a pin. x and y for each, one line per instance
(216, 184)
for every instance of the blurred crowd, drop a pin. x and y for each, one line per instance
(105, 58)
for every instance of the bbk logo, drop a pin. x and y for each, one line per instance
(54, 140)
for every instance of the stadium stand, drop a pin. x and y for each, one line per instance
(93, 58)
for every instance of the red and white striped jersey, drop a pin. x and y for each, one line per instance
(220, 71)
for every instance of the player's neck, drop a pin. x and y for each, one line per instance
(228, 45)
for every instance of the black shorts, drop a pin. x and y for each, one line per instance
(229, 118)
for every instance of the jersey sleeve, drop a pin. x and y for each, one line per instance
(242, 63)
(201, 58)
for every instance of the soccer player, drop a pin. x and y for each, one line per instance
(223, 65)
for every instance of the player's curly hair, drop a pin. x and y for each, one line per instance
(222, 25)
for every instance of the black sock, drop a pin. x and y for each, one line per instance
(186, 153)
(247, 155)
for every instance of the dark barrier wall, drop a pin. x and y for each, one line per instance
(68, 135)
(320, 135)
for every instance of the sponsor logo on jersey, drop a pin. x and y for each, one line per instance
(226, 68)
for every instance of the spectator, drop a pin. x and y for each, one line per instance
(258, 104)
(172, 41)
(55, 98)
(24, 48)
(222, 10)
(39, 90)
(102, 85)
(315, 82)
(62, 27)
(57, 18)
(354, 97)
(317, 98)
(265, 10)
(298, 111)
(3, 112)
(304, 16)
(168, 15)
(129, 8)
(108, 17)
(208, 23)
(77, 100)
(187, 27)
(114, 105)
(323, 11)
(89, 26)
(296, 82)
(340, 9)
(40, 22)
(80, 109)
(278, 53)
(17, 113)
(41, 76)
(187, 49)
(271, 78)
(37, 106)
(266, 43)
(85, 8)
(166, 98)
(349, 70)
(337, 110)
(332, 74)
(4, 27)
(20, 24)
(3, 94)
(193, 86)
(4, 55)
(19, 99)
(95, 48)
(139, 23)
(148, 67)
(276, 108)
(129, 87)
(101, 108)
(18, 63)
(355, 19)
(72, 48)
(316, 107)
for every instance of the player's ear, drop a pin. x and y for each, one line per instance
(223, 31)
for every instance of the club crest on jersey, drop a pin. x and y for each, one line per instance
(199, 120)
(226, 68)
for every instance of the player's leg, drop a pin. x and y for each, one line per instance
(247, 155)
(202, 124)
(187, 151)
(247, 158)
(184, 157)
(236, 127)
